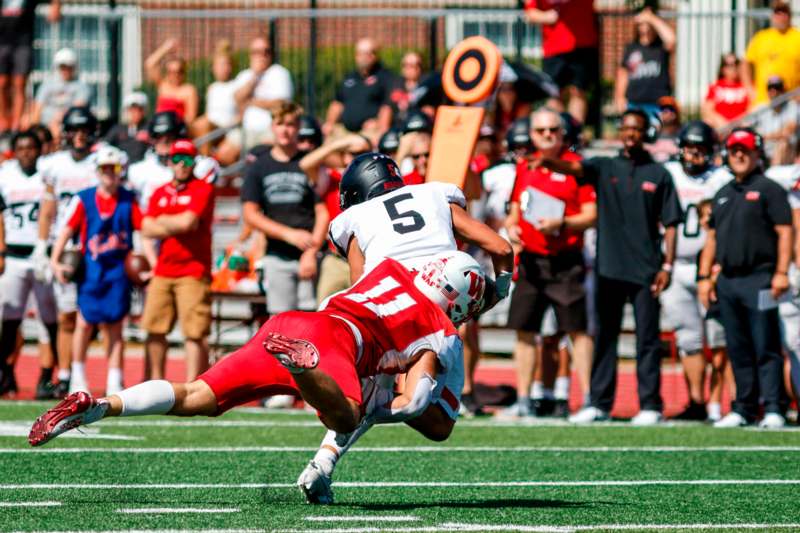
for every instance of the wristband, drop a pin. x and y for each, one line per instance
(667, 267)
(781, 273)
(703, 278)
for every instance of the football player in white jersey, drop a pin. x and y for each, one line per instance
(788, 176)
(696, 180)
(382, 218)
(65, 173)
(152, 171)
(21, 190)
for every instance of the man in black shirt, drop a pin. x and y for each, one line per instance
(16, 55)
(280, 201)
(635, 197)
(131, 137)
(362, 101)
(750, 238)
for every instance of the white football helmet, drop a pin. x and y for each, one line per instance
(455, 282)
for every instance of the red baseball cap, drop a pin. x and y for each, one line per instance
(742, 138)
(184, 147)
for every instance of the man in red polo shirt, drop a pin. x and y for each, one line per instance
(180, 215)
(569, 40)
(547, 216)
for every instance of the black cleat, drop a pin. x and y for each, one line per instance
(61, 389)
(45, 390)
(470, 407)
(8, 383)
(694, 411)
(542, 407)
(560, 409)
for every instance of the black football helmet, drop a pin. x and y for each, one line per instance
(368, 176)
(697, 133)
(309, 129)
(165, 123)
(518, 136)
(418, 121)
(389, 142)
(79, 118)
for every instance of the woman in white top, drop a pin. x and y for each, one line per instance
(221, 108)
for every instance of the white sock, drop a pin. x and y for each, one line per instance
(326, 460)
(523, 400)
(561, 389)
(548, 394)
(537, 390)
(64, 374)
(714, 410)
(155, 397)
(114, 380)
(79, 372)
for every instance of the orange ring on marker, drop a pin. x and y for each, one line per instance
(471, 69)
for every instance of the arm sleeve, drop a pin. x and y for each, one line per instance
(778, 210)
(251, 188)
(751, 54)
(794, 199)
(712, 89)
(83, 94)
(587, 194)
(340, 233)
(671, 212)
(452, 193)
(283, 87)
(43, 94)
(76, 214)
(136, 217)
(201, 199)
(152, 206)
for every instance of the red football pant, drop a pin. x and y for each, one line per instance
(251, 373)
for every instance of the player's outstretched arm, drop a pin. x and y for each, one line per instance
(476, 232)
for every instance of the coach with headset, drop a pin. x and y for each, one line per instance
(635, 196)
(750, 238)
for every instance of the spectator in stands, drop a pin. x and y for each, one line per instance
(750, 238)
(174, 92)
(643, 75)
(508, 107)
(635, 199)
(400, 96)
(280, 201)
(774, 51)
(221, 109)
(16, 56)
(57, 95)
(665, 146)
(180, 215)
(362, 100)
(778, 125)
(569, 40)
(325, 166)
(104, 219)
(131, 136)
(551, 266)
(416, 146)
(260, 89)
(727, 98)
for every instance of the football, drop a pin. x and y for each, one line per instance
(135, 266)
(73, 260)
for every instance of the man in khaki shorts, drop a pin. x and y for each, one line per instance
(179, 215)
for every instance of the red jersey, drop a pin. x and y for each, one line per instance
(395, 322)
(576, 26)
(560, 186)
(730, 98)
(76, 218)
(186, 254)
(413, 178)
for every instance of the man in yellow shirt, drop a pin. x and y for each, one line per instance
(774, 51)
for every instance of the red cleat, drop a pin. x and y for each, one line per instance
(297, 355)
(77, 409)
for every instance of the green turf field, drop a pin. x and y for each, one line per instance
(237, 473)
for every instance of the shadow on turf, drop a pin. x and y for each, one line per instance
(478, 504)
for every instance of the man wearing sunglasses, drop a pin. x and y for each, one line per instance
(179, 215)
(551, 266)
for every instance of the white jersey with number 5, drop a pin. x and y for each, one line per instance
(21, 195)
(409, 224)
(692, 190)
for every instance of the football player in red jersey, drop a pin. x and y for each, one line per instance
(391, 321)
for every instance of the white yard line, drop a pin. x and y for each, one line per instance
(176, 510)
(21, 429)
(414, 449)
(30, 504)
(458, 526)
(362, 518)
(400, 484)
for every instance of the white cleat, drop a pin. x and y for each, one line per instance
(519, 409)
(731, 420)
(772, 421)
(647, 417)
(315, 485)
(587, 415)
